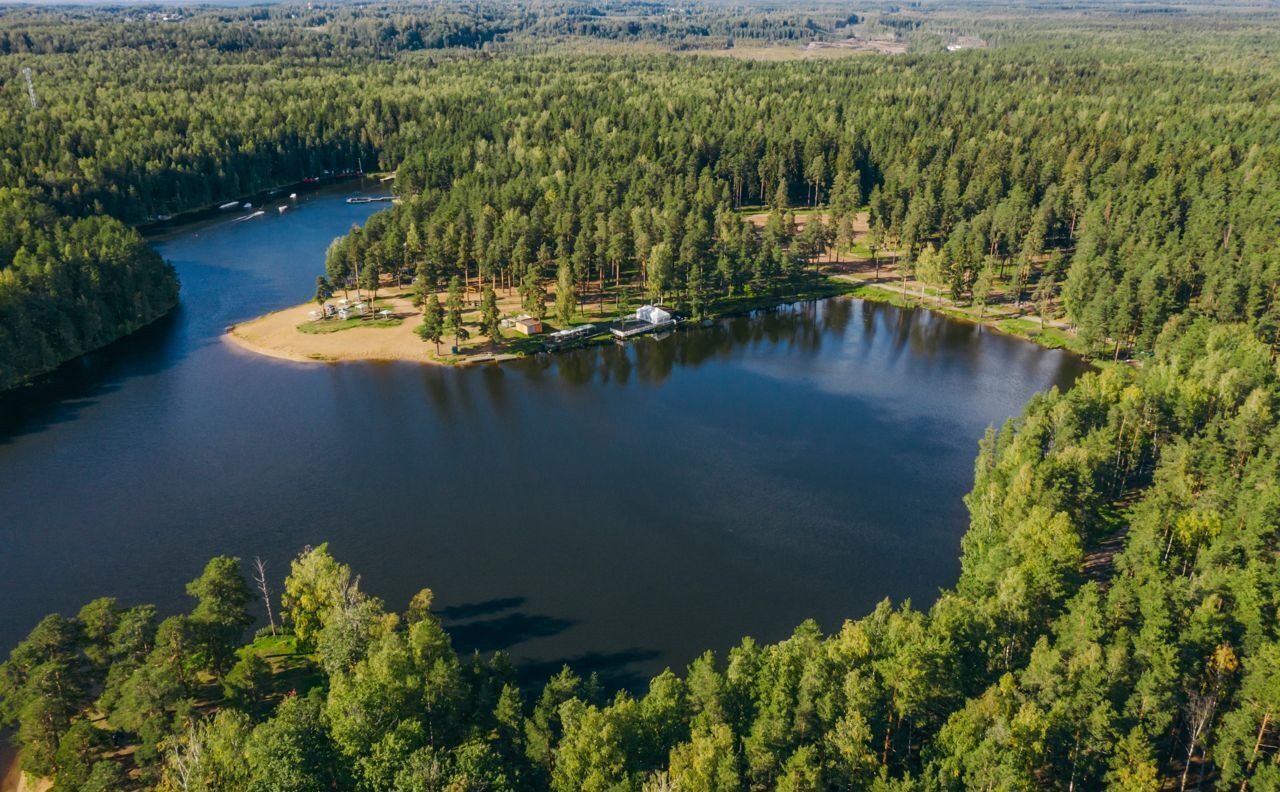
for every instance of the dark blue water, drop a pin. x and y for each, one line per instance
(623, 508)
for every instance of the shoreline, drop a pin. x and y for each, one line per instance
(1050, 336)
(12, 779)
(153, 226)
(276, 335)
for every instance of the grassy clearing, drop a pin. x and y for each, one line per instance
(323, 326)
(1022, 327)
(876, 294)
(292, 670)
(1047, 336)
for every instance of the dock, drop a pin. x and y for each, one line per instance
(630, 328)
(646, 319)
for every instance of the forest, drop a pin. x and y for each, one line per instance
(1115, 621)
(70, 285)
(1114, 626)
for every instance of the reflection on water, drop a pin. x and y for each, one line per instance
(623, 507)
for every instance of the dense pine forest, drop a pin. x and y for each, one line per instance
(1115, 622)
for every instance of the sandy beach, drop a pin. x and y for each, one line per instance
(277, 335)
(12, 778)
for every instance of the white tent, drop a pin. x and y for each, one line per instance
(652, 314)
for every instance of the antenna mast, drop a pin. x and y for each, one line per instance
(31, 91)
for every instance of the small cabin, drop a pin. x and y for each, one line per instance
(527, 325)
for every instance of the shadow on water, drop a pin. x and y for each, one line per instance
(499, 632)
(798, 327)
(470, 610)
(613, 669)
(504, 632)
(799, 330)
(61, 395)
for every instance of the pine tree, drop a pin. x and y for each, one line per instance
(453, 313)
(432, 327)
(564, 293)
(533, 297)
(490, 324)
(323, 290)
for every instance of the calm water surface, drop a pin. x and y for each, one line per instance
(623, 508)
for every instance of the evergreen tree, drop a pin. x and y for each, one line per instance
(564, 293)
(453, 313)
(432, 328)
(489, 317)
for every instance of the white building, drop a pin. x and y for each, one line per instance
(653, 315)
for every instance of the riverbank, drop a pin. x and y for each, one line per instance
(880, 280)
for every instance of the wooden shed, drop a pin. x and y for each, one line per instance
(528, 325)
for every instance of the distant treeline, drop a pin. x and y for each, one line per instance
(1068, 173)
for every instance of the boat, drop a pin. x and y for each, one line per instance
(281, 209)
(229, 205)
(258, 213)
(293, 196)
(248, 206)
(359, 200)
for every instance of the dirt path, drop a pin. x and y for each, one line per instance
(1100, 561)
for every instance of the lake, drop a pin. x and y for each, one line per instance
(621, 508)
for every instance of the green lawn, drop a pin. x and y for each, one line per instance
(292, 670)
(1047, 336)
(336, 325)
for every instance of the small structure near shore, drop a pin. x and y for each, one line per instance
(648, 319)
(653, 314)
(561, 338)
(527, 325)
